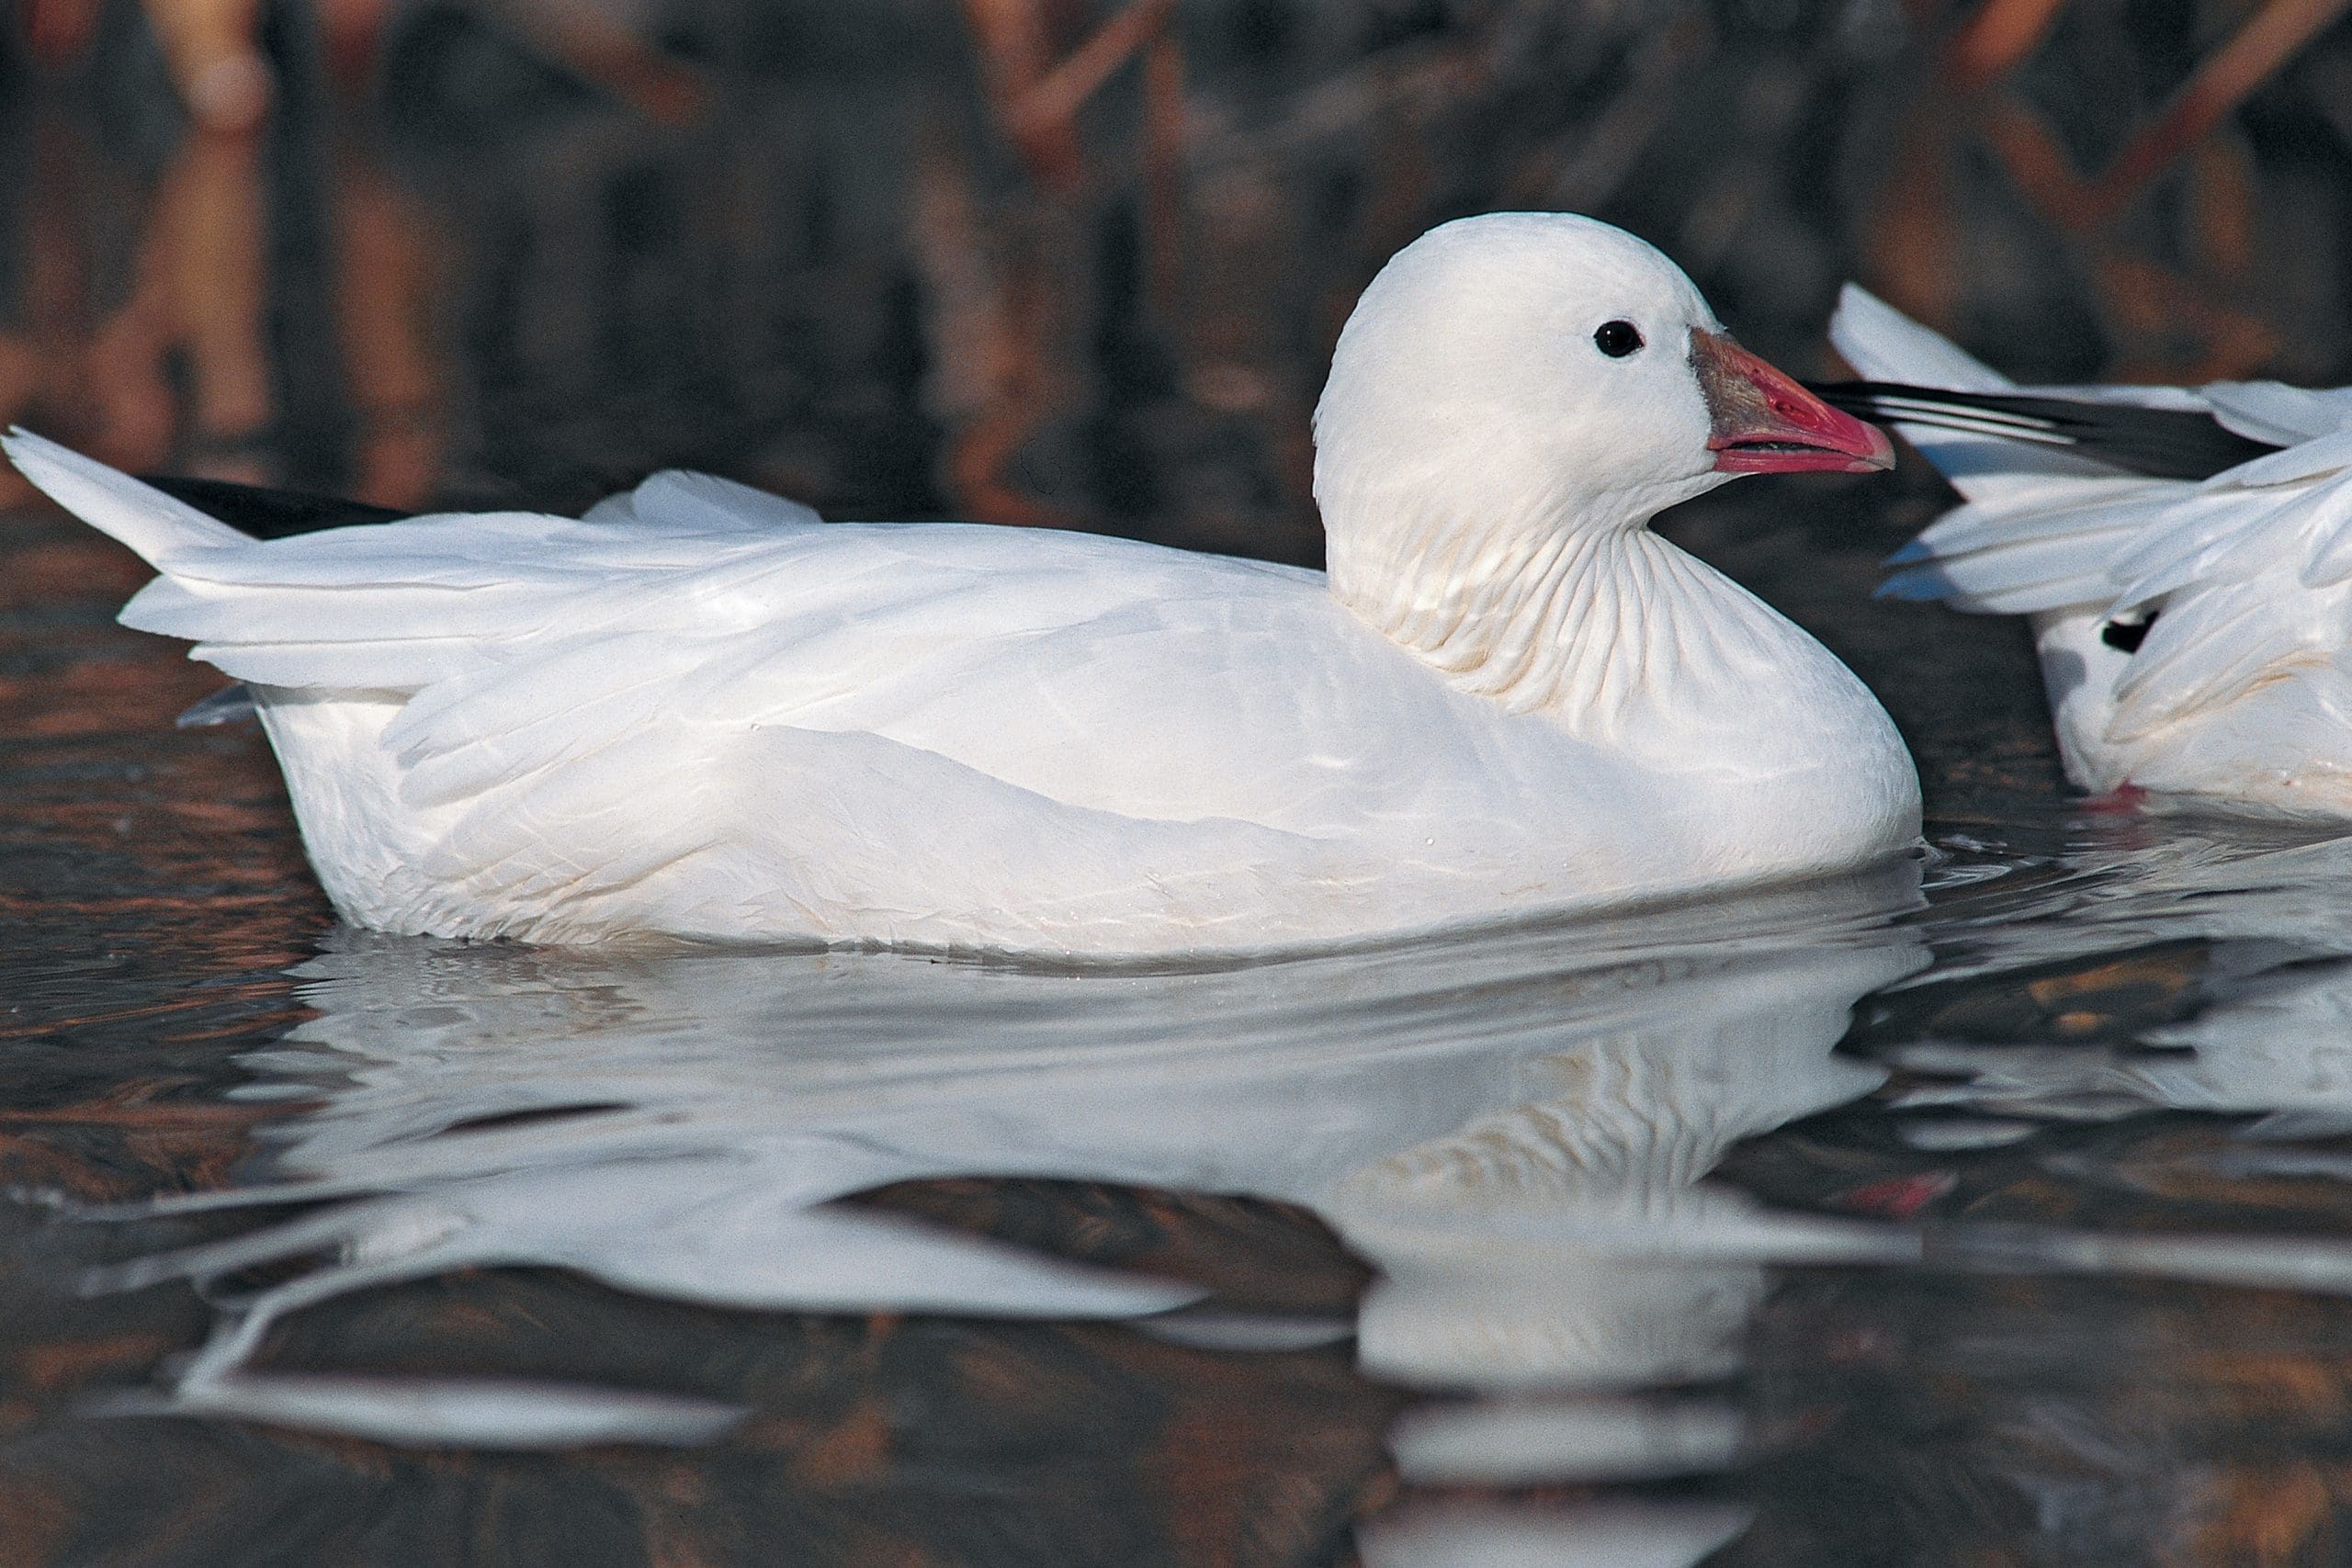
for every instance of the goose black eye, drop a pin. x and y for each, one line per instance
(1617, 339)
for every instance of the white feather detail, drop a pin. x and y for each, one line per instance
(2211, 647)
(161, 529)
(2025, 557)
(700, 505)
(2275, 413)
(1885, 345)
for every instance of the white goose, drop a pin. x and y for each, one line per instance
(700, 712)
(2184, 557)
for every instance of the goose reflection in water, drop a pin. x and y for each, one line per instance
(2231, 926)
(1513, 1129)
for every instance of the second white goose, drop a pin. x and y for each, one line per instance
(2183, 555)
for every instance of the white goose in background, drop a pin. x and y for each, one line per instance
(701, 711)
(2184, 557)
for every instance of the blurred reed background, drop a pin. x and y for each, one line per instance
(1074, 261)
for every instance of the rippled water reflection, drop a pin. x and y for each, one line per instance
(1512, 1130)
(1985, 1209)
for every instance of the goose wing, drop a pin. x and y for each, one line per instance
(694, 676)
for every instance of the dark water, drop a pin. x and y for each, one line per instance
(1990, 1209)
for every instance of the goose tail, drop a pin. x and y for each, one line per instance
(161, 530)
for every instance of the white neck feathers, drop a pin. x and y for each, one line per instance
(1578, 622)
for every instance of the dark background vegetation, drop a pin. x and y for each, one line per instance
(1077, 260)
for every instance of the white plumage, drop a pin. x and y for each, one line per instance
(2243, 581)
(701, 711)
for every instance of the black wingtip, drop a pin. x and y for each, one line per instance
(2164, 444)
(267, 513)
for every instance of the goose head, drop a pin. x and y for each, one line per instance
(1513, 380)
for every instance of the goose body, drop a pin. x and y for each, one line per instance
(2189, 591)
(701, 711)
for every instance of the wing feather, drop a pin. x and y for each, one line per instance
(2274, 412)
(1999, 559)
(462, 736)
(680, 499)
(2209, 649)
(1019, 675)
(2223, 537)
